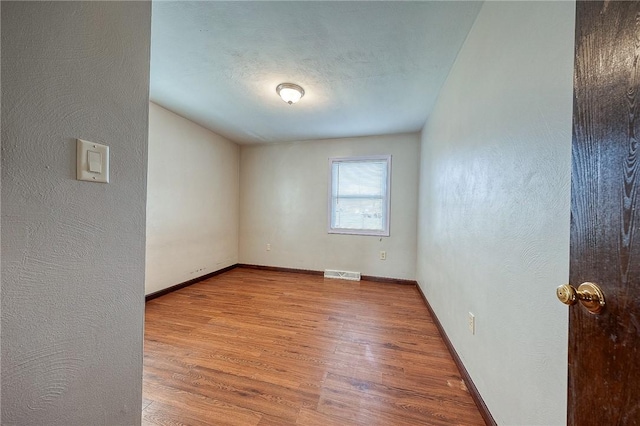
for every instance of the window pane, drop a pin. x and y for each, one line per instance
(358, 213)
(360, 178)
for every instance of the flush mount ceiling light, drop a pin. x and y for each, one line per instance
(289, 92)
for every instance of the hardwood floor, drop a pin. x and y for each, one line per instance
(253, 347)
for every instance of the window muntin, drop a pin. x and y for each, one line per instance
(359, 190)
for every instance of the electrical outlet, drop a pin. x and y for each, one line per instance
(472, 323)
(383, 255)
(268, 247)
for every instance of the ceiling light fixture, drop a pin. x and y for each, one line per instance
(289, 92)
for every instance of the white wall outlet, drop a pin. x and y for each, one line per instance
(268, 247)
(383, 255)
(472, 323)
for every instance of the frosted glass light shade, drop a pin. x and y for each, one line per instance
(289, 92)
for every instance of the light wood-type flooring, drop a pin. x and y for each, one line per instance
(253, 347)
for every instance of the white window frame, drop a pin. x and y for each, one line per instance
(387, 202)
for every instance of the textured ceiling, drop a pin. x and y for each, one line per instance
(368, 68)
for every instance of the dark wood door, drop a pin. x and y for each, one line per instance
(604, 350)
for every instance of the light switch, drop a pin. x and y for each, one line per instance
(93, 161)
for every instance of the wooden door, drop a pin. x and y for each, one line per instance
(604, 350)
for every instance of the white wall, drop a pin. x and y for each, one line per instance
(192, 201)
(0, 241)
(494, 206)
(73, 252)
(284, 189)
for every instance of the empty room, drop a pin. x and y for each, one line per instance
(319, 213)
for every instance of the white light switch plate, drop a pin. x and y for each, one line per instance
(93, 161)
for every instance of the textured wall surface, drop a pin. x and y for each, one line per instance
(192, 201)
(0, 233)
(283, 202)
(494, 206)
(73, 252)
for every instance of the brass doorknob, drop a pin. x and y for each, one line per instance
(589, 294)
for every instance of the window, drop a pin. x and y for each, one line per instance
(359, 195)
